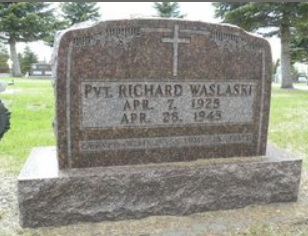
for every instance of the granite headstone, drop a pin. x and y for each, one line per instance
(151, 91)
(4, 119)
(137, 103)
(2, 87)
(40, 69)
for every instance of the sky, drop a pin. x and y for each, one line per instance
(199, 11)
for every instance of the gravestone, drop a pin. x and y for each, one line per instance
(40, 69)
(4, 119)
(135, 92)
(2, 88)
(4, 115)
(156, 117)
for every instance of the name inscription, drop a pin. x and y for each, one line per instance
(152, 104)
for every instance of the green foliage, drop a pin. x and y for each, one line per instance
(299, 47)
(26, 59)
(72, 13)
(299, 43)
(25, 21)
(255, 15)
(50, 35)
(168, 9)
(275, 18)
(222, 8)
(76, 12)
(4, 56)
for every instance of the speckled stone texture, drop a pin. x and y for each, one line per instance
(49, 196)
(97, 125)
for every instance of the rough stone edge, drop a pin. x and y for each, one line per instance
(32, 191)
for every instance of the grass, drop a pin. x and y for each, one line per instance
(289, 120)
(31, 103)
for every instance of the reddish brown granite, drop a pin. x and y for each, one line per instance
(133, 51)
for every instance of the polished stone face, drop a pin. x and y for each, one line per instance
(154, 90)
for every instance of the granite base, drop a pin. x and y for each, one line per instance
(52, 197)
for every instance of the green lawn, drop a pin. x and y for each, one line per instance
(289, 120)
(31, 103)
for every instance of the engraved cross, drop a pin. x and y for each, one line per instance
(176, 41)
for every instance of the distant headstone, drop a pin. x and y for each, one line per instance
(131, 93)
(5, 75)
(2, 88)
(4, 119)
(40, 69)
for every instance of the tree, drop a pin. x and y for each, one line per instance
(168, 9)
(24, 22)
(299, 43)
(4, 56)
(26, 59)
(279, 18)
(76, 12)
(72, 13)
(58, 25)
(299, 50)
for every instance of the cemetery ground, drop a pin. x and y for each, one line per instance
(31, 103)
